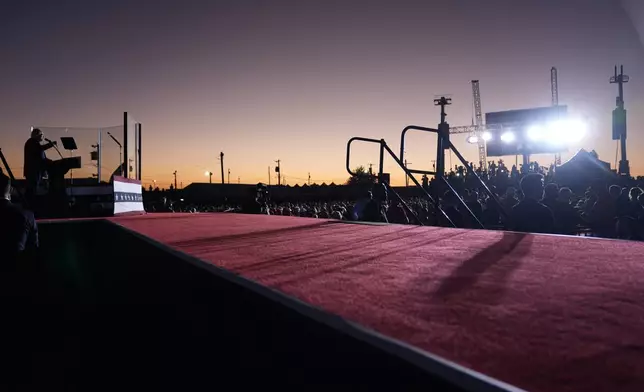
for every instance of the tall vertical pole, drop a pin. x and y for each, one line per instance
(554, 90)
(269, 175)
(279, 173)
(136, 148)
(175, 180)
(221, 157)
(443, 135)
(229, 176)
(381, 164)
(99, 157)
(619, 120)
(309, 178)
(138, 154)
(125, 148)
(406, 176)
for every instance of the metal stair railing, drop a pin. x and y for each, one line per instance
(441, 177)
(384, 147)
(6, 166)
(390, 189)
(448, 144)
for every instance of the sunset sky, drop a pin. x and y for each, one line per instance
(294, 80)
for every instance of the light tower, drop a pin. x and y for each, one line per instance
(278, 170)
(443, 136)
(619, 120)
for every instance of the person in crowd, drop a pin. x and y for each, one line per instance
(472, 201)
(566, 216)
(614, 191)
(602, 214)
(509, 200)
(376, 209)
(397, 214)
(450, 204)
(550, 196)
(627, 228)
(18, 228)
(530, 215)
(257, 201)
(634, 207)
(35, 161)
(358, 208)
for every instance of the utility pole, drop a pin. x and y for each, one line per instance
(554, 89)
(238, 180)
(209, 174)
(442, 144)
(309, 178)
(269, 175)
(175, 179)
(279, 173)
(221, 158)
(443, 136)
(229, 176)
(406, 176)
(371, 169)
(619, 120)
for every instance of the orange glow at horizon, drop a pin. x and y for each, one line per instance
(299, 80)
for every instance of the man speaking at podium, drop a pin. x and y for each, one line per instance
(36, 162)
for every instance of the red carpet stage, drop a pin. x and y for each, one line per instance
(541, 312)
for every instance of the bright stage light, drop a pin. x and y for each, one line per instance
(207, 173)
(566, 131)
(555, 132)
(487, 136)
(473, 139)
(576, 130)
(507, 137)
(535, 132)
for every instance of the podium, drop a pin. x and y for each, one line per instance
(58, 202)
(58, 169)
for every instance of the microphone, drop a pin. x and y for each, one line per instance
(48, 141)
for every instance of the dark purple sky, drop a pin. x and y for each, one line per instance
(295, 80)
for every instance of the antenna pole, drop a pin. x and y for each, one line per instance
(619, 120)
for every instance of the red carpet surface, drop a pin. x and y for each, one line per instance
(544, 313)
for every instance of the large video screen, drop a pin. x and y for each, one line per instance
(531, 131)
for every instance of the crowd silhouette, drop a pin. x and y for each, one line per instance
(526, 198)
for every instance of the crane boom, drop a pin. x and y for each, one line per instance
(478, 114)
(554, 86)
(476, 93)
